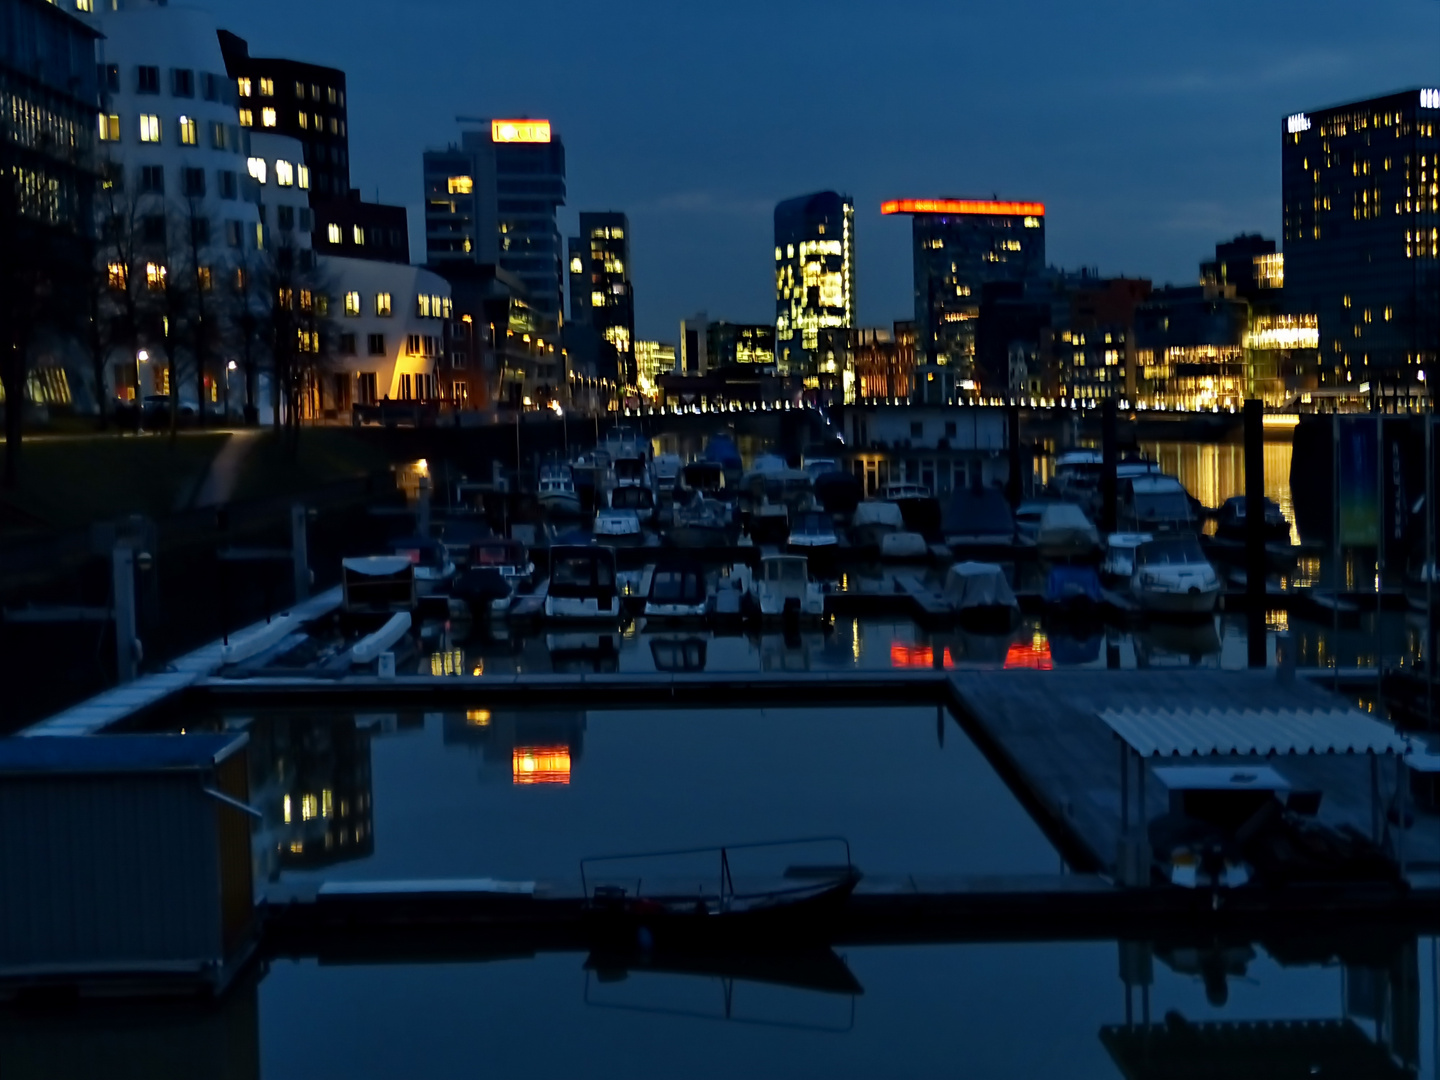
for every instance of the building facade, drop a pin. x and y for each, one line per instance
(1190, 349)
(961, 245)
(728, 343)
(48, 104)
(391, 321)
(1362, 236)
(652, 359)
(492, 199)
(814, 276)
(602, 298)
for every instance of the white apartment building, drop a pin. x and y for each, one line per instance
(391, 323)
(177, 153)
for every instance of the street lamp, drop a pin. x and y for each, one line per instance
(228, 369)
(140, 357)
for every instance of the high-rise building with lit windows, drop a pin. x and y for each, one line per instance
(814, 276)
(961, 245)
(601, 295)
(1362, 236)
(491, 199)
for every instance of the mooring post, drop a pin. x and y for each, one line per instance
(122, 562)
(1255, 531)
(299, 557)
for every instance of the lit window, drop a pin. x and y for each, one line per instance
(382, 303)
(247, 118)
(332, 233)
(189, 131)
(284, 174)
(576, 266)
(597, 299)
(257, 168)
(267, 87)
(461, 185)
(149, 127)
(304, 120)
(204, 278)
(352, 299)
(267, 117)
(154, 276)
(302, 176)
(359, 235)
(116, 275)
(84, 5)
(109, 128)
(445, 308)
(300, 90)
(422, 303)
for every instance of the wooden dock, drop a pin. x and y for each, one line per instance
(1042, 730)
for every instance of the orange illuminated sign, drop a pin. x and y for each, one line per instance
(540, 765)
(519, 130)
(962, 206)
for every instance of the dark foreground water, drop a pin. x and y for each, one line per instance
(1013, 1010)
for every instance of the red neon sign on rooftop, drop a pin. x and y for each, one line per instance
(961, 206)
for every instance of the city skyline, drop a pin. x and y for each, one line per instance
(706, 156)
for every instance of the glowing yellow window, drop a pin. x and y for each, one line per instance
(189, 131)
(116, 275)
(109, 128)
(461, 185)
(247, 118)
(284, 174)
(332, 233)
(352, 299)
(360, 238)
(304, 120)
(244, 86)
(149, 127)
(155, 276)
(267, 117)
(267, 87)
(302, 176)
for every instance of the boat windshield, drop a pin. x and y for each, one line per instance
(582, 570)
(785, 570)
(631, 498)
(1171, 551)
(814, 524)
(677, 585)
(496, 555)
(1162, 506)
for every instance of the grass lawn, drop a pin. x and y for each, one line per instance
(71, 481)
(274, 466)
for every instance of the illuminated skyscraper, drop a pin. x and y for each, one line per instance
(961, 245)
(814, 275)
(1362, 235)
(492, 199)
(601, 295)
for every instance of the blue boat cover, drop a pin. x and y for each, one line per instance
(60, 754)
(1071, 583)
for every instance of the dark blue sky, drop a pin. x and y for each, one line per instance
(1149, 129)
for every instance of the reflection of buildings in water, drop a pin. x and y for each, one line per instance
(1213, 472)
(310, 778)
(1376, 1035)
(1320, 645)
(583, 652)
(123, 1037)
(520, 746)
(494, 649)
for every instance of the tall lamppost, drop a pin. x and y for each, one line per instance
(140, 357)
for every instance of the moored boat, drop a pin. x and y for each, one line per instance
(783, 588)
(1173, 577)
(582, 584)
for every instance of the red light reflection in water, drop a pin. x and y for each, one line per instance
(917, 656)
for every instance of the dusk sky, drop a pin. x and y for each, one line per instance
(1149, 130)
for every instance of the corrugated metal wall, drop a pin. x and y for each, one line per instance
(107, 870)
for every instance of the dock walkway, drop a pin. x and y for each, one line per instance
(1042, 730)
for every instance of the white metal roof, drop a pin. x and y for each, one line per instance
(1202, 732)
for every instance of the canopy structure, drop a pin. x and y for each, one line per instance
(1259, 732)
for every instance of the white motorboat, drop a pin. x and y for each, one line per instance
(784, 588)
(1154, 502)
(640, 499)
(582, 584)
(700, 523)
(1119, 562)
(1077, 474)
(666, 468)
(1173, 577)
(872, 521)
(676, 590)
(557, 494)
(618, 526)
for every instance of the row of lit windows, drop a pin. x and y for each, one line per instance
(287, 174)
(426, 306)
(246, 85)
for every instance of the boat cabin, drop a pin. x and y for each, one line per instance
(582, 573)
(377, 585)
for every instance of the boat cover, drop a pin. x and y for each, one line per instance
(982, 513)
(1065, 525)
(1257, 732)
(977, 584)
(377, 565)
(873, 512)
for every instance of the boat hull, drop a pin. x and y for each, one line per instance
(566, 505)
(1192, 602)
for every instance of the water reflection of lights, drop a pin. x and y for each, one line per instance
(450, 662)
(477, 717)
(1034, 654)
(917, 656)
(540, 765)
